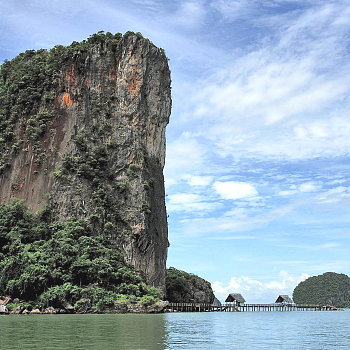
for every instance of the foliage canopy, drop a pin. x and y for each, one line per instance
(328, 289)
(53, 262)
(186, 287)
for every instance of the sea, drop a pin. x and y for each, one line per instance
(302, 330)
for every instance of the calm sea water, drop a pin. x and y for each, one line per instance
(254, 330)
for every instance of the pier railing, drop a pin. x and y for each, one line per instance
(229, 307)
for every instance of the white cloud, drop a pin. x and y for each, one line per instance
(337, 182)
(294, 262)
(256, 291)
(234, 238)
(237, 213)
(287, 192)
(269, 87)
(196, 180)
(232, 9)
(305, 187)
(326, 246)
(308, 187)
(236, 222)
(311, 247)
(169, 182)
(184, 155)
(189, 202)
(234, 190)
(335, 195)
(288, 98)
(189, 15)
(147, 3)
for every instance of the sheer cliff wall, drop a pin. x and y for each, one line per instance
(98, 148)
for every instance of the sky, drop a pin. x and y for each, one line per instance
(257, 164)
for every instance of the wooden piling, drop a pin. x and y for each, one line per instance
(229, 307)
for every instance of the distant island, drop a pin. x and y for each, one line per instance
(183, 287)
(328, 289)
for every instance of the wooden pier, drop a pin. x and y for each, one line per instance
(203, 307)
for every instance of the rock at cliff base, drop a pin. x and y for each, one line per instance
(3, 310)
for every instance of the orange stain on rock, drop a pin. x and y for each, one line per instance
(134, 81)
(139, 228)
(67, 99)
(112, 73)
(135, 121)
(70, 75)
(88, 82)
(112, 76)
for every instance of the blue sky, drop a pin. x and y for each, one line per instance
(257, 160)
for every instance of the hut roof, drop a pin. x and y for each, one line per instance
(235, 296)
(282, 298)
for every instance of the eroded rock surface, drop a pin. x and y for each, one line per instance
(102, 153)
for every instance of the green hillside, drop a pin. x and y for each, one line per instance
(328, 289)
(49, 263)
(183, 287)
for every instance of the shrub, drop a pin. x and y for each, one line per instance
(52, 260)
(148, 300)
(57, 296)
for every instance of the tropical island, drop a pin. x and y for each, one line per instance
(83, 223)
(328, 289)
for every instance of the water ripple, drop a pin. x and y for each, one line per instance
(204, 331)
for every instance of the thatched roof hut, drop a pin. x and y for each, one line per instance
(284, 299)
(235, 298)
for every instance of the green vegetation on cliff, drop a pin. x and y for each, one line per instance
(27, 93)
(327, 289)
(28, 86)
(183, 287)
(82, 131)
(50, 263)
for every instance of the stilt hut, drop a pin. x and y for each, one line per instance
(236, 299)
(284, 299)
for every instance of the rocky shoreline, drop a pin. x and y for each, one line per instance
(17, 307)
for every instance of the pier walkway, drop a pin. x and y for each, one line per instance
(203, 307)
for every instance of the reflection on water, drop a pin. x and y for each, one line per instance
(209, 331)
(317, 330)
(96, 332)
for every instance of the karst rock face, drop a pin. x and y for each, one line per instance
(103, 152)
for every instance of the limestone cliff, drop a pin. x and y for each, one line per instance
(83, 131)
